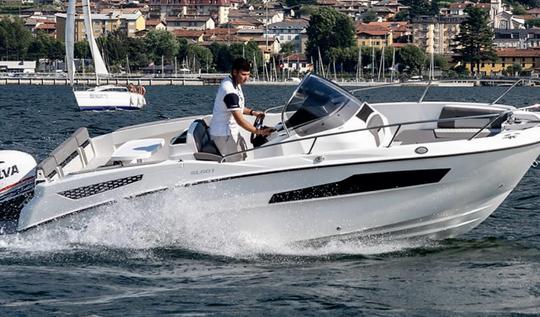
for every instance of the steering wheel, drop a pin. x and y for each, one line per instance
(258, 140)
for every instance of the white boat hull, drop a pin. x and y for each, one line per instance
(415, 204)
(109, 100)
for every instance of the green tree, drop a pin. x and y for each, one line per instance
(201, 55)
(161, 43)
(475, 39)
(421, 7)
(401, 16)
(81, 49)
(532, 23)
(292, 3)
(519, 9)
(328, 29)
(14, 38)
(136, 51)
(114, 47)
(412, 58)
(287, 48)
(513, 70)
(38, 48)
(369, 16)
(222, 57)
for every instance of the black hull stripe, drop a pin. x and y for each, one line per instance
(362, 183)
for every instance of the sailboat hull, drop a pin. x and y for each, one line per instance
(109, 100)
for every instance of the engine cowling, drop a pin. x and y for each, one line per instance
(17, 181)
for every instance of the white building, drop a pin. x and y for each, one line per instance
(25, 67)
(289, 31)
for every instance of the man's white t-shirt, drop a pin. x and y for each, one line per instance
(229, 98)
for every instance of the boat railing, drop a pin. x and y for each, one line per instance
(430, 84)
(492, 116)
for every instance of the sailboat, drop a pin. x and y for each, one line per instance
(100, 97)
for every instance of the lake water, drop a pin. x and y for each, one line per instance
(139, 258)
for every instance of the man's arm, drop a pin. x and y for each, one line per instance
(251, 112)
(239, 118)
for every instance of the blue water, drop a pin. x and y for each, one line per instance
(158, 256)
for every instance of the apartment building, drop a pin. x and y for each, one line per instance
(217, 9)
(527, 59)
(517, 38)
(128, 24)
(289, 31)
(436, 34)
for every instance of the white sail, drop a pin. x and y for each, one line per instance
(99, 64)
(70, 39)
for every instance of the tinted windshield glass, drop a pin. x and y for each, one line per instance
(316, 99)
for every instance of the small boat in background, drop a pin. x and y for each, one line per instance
(101, 97)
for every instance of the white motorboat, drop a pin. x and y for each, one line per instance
(100, 97)
(335, 168)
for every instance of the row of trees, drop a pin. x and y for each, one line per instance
(331, 38)
(331, 34)
(18, 43)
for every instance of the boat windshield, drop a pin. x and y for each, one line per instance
(318, 105)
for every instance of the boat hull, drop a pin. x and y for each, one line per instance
(109, 100)
(421, 197)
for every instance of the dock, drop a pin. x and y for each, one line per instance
(40, 79)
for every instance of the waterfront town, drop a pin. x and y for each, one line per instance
(362, 39)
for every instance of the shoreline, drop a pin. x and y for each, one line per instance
(215, 79)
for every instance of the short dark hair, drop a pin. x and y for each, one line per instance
(241, 64)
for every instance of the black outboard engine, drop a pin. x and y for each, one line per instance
(17, 181)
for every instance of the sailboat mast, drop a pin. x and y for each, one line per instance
(69, 41)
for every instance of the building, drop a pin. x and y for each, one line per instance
(129, 24)
(373, 35)
(517, 38)
(217, 9)
(436, 34)
(528, 60)
(21, 67)
(194, 36)
(297, 63)
(190, 23)
(156, 24)
(289, 31)
(535, 12)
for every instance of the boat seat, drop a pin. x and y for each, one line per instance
(456, 111)
(459, 134)
(375, 120)
(72, 155)
(86, 149)
(205, 149)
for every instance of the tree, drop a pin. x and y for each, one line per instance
(421, 7)
(518, 9)
(475, 39)
(369, 16)
(513, 70)
(287, 48)
(161, 43)
(292, 3)
(81, 49)
(222, 57)
(411, 57)
(327, 29)
(202, 55)
(532, 23)
(14, 38)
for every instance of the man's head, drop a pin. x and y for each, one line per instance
(240, 70)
